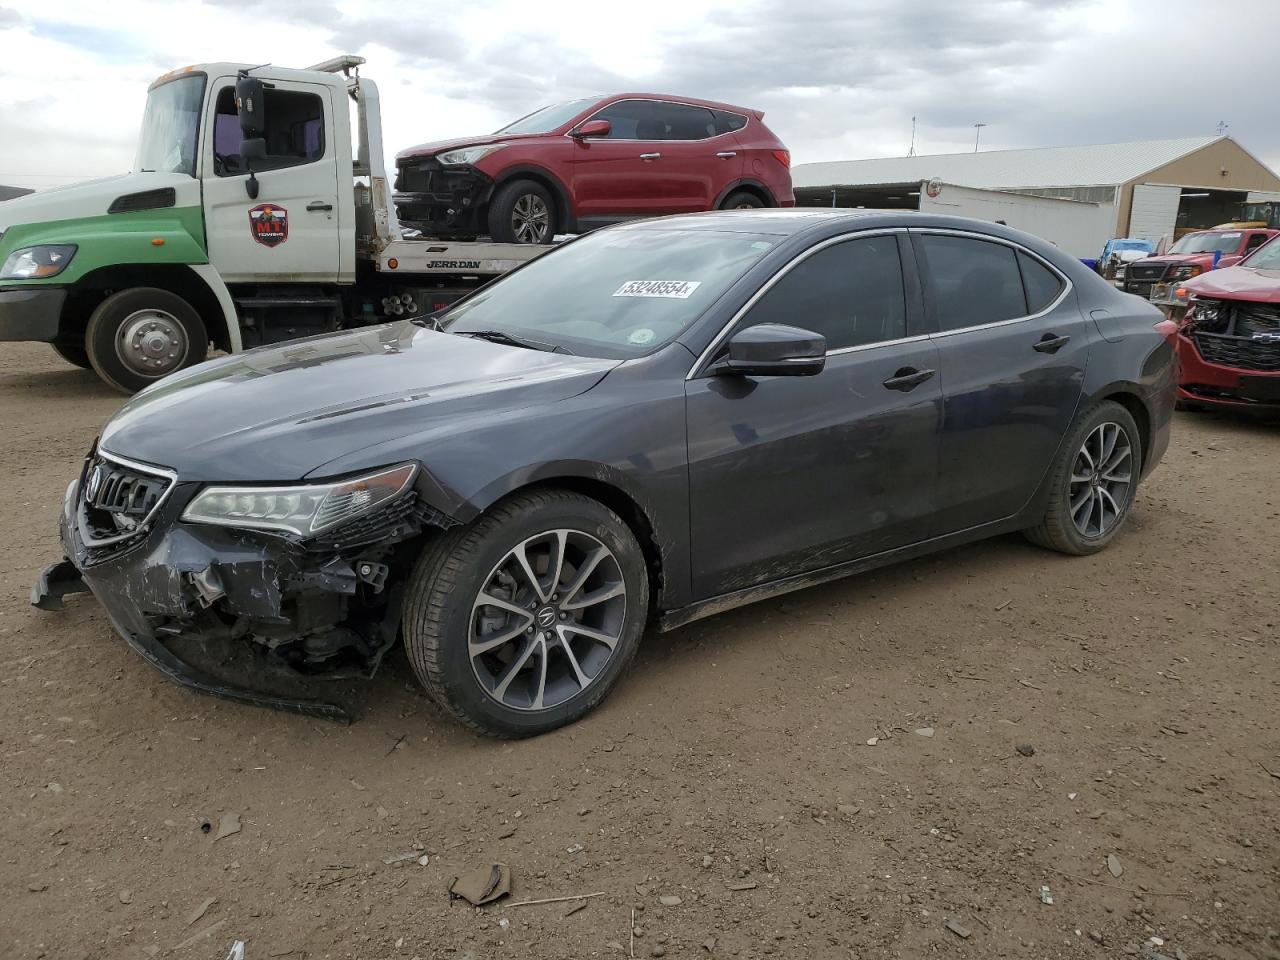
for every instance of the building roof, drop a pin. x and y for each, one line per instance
(1090, 166)
(8, 193)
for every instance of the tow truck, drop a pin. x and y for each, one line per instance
(256, 212)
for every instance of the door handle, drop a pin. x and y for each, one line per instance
(1049, 343)
(650, 156)
(727, 154)
(317, 205)
(908, 378)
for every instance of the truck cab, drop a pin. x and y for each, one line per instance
(245, 220)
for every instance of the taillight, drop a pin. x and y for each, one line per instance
(783, 157)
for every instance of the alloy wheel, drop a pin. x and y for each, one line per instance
(152, 343)
(531, 219)
(547, 620)
(1101, 479)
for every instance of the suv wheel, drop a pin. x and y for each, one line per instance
(1093, 482)
(522, 211)
(742, 200)
(137, 336)
(525, 620)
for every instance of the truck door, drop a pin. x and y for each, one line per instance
(289, 232)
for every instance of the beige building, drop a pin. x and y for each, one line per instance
(1149, 189)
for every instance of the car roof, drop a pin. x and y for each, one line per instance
(781, 222)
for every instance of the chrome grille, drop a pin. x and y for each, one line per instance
(118, 497)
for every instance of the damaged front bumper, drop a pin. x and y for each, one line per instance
(447, 202)
(271, 607)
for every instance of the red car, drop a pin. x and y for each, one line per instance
(1194, 254)
(1229, 341)
(584, 164)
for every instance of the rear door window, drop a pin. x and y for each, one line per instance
(850, 292)
(972, 282)
(1042, 284)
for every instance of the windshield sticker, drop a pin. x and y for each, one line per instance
(641, 337)
(269, 224)
(667, 289)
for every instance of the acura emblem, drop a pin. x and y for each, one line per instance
(93, 483)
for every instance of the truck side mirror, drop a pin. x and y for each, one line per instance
(249, 106)
(251, 110)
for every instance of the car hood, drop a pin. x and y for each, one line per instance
(1166, 258)
(1238, 283)
(439, 146)
(281, 413)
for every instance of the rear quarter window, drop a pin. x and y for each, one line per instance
(1042, 284)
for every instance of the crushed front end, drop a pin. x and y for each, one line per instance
(322, 605)
(449, 202)
(1229, 354)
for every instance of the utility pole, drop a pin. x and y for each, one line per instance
(977, 127)
(912, 151)
(1223, 126)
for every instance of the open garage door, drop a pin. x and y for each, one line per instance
(1154, 212)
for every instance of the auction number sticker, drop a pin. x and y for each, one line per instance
(667, 289)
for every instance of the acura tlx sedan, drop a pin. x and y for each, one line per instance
(653, 423)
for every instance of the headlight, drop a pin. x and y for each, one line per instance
(1185, 273)
(37, 263)
(305, 509)
(468, 154)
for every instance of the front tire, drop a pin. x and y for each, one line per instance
(137, 336)
(522, 211)
(1093, 482)
(525, 620)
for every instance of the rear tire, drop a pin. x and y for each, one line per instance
(522, 211)
(138, 336)
(1088, 503)
(742, 200)
(73, 353)
(501, 668)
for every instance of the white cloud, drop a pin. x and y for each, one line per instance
(837, 78)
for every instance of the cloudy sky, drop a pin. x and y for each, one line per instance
(837, 78)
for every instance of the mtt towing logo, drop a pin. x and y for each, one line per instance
(269, 224)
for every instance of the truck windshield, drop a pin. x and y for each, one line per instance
(548, 118)
(1208, 243)
(167, 143)
(615, 294)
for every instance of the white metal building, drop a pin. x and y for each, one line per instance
(1149, 189)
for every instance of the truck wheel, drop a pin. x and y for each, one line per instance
(742, 200)
(73, 353)
(525, 620)
(137, 336)
(522, 212)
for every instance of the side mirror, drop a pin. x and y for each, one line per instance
(249, 106)
(592, 128)
(774, 350)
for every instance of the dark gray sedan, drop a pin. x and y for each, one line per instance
(650, 424)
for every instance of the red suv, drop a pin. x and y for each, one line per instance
(584, 164)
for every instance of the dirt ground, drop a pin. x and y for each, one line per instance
(832, 774)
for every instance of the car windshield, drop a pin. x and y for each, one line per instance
(1266, 257)
(167, 143)
(615, 294)
(548, 118)
(1208, 243)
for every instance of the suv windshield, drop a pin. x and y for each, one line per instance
(1266, 257)
(615, 294)
(1208, 243)
(548, 118)
(167, 143)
